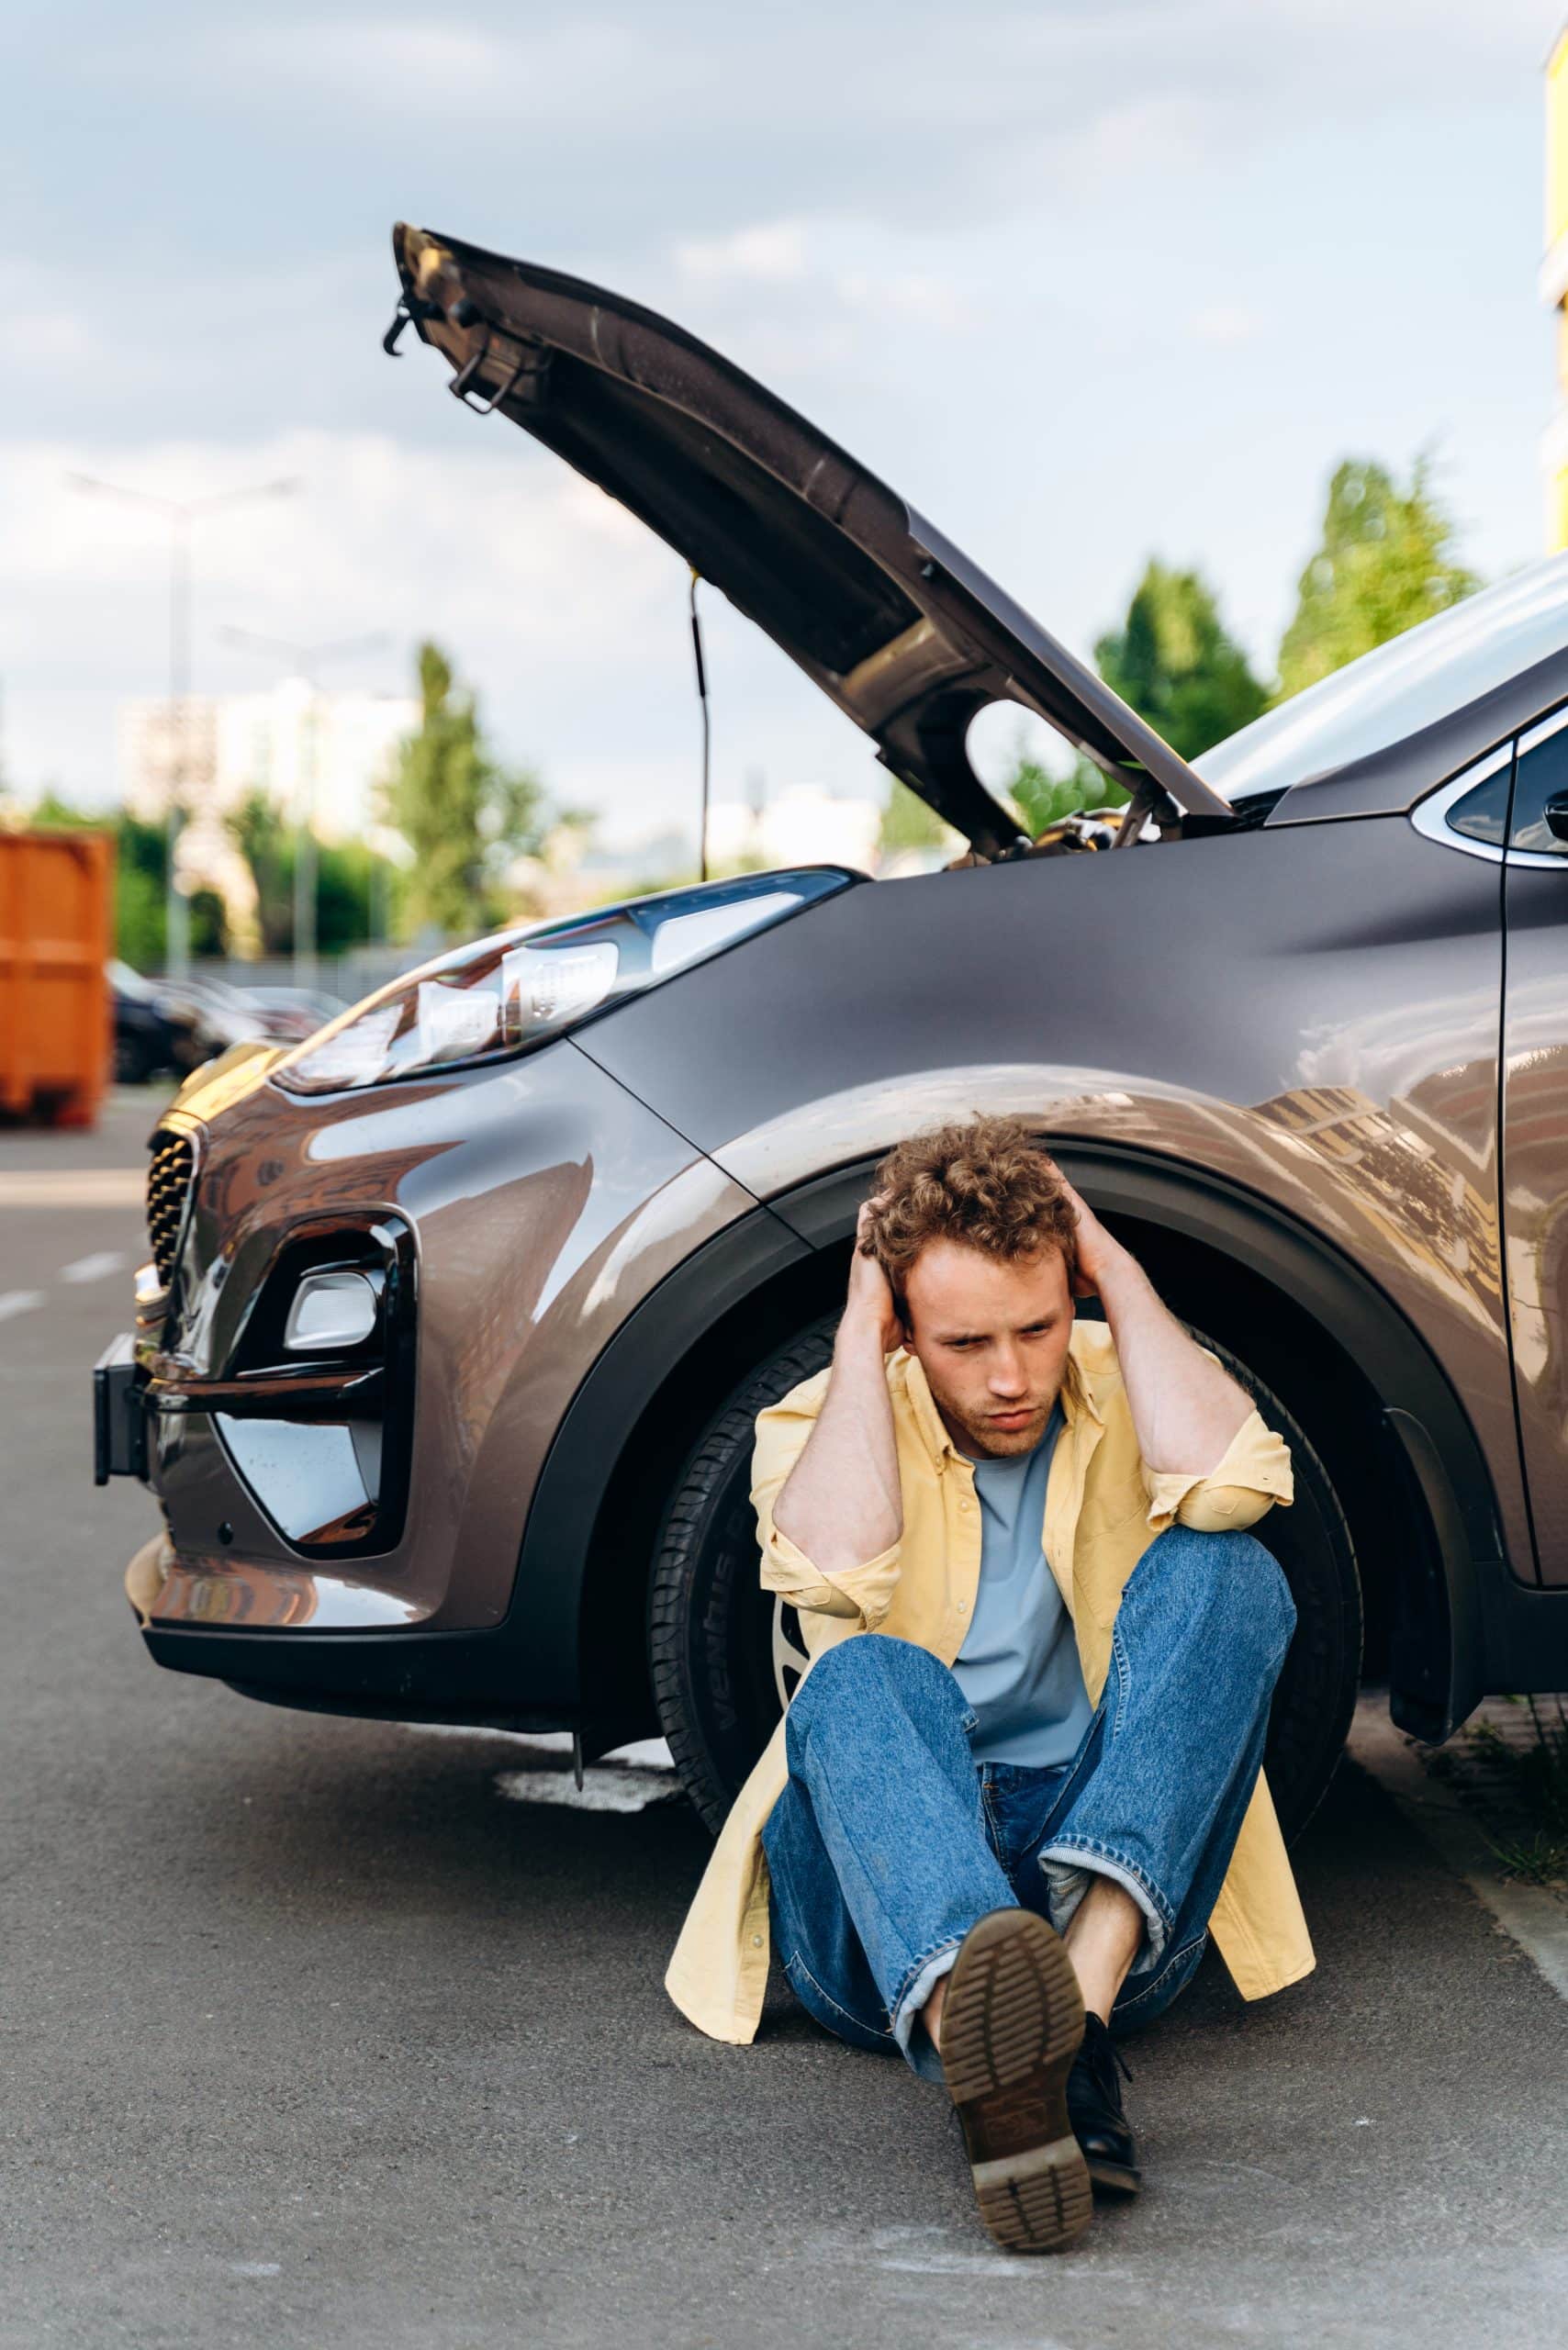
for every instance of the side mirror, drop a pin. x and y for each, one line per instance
(1555, 811)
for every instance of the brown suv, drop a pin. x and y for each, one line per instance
(460, 1312)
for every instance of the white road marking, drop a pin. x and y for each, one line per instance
(616, 1788)
(629, 1779)
(19, 1301)
(95, 1268)
(73, 1187)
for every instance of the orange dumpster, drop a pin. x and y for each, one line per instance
(56, 914)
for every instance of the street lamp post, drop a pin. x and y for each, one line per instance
(306, 660)
(181, 514)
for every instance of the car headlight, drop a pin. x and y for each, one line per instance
(522, 986)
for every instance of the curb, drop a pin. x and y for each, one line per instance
(1534, 1917)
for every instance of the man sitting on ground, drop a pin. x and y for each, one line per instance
(1020, 1782)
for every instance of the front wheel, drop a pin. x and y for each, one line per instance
(726, 1656)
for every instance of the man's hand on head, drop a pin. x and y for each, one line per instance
(871, 1306)
(1098, 1255)
(842, 1504)
(1185, 1408)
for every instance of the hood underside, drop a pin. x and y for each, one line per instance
(894, 624)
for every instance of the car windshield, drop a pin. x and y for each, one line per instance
(1404, 684)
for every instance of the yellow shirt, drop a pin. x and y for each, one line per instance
(1103, 1506)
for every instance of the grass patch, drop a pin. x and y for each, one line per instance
(1516, 1779)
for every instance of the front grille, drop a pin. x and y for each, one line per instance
(168, 1183)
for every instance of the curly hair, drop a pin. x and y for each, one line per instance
(984, 1182)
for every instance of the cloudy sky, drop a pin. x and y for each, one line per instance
(1084, 279)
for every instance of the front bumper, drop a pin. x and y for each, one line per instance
(471, 1677)
(544, 1202)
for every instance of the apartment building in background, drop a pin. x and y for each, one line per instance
(314, 755)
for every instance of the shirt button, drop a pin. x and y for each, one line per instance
(963, 1504)
(757, 1941)
(963, 1607)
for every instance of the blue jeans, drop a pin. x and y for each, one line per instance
(890, 1840)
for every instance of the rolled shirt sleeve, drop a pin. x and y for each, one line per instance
(861, 1594)
(1252, 1474)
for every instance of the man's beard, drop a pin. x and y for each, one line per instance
(982, 1439)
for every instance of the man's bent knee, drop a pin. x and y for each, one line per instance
(865, 1657)
(1259, 1592)
(1238, 1575)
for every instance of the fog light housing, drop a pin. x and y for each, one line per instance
(317, 1406)
(319, 1484)
(331, 1311)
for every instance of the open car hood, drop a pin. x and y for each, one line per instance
(891, 621)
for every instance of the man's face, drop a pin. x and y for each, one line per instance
(991, 1340)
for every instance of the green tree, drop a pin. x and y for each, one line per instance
(346, 895)
(1042, 798)
(464, 816)
(142, 856)
(1173, 661)
(267, 846)
(352, 884)
(1386, 559)
(208, 923)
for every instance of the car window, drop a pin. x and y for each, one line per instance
(1404, 684)
(1541, 778)
(1482, 814)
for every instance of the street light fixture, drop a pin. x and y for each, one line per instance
(306, 660)
(181, 514)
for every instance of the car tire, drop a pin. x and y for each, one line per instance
(719, 1645)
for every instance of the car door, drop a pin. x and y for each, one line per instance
(1535, 1124)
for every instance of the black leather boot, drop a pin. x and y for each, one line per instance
(1094, 2106)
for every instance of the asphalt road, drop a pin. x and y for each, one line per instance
(312, 2037)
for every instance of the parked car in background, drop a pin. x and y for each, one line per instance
(218, 1014)
(460, 1313)
(167, 1025)
(151, 1039)
(295, 1012)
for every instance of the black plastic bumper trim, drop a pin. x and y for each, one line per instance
(469, 1676)
(119, 1419)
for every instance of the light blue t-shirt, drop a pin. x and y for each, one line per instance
(1018, 1666)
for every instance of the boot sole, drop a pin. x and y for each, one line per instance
(1114, 2179)
(1012, 2024)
